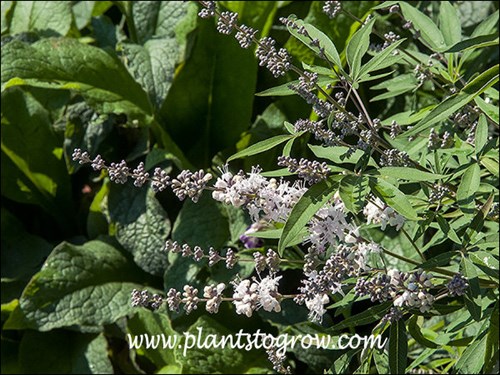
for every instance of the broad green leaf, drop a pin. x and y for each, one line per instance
(64, 352)
(162, 19)
(353, 190)
(67, 64)
(209, 104)
(84, 286)
(357, 47)
(158, 328)
(262, 146)
(21, 257)
(481, 136)
(491, 165)
(449, 23)
(474, 43)
(338, 154)
(469, 185)
(142, 225)
(211, 359)
(407, 173)
(426, 27)
(6, 10)
(456, 101)
(312, 200)
(416, 333)
(393, 197)
(492, 341)
(203, 223)
(325, 43)
(49, 18)
(488, 26)
(398, 347)
(32, 167)
(381, 60)
(152, 66)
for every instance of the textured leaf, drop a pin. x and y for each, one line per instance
(146, 322)
(474, 43)
(472, 294)
(427, 28)
(381, 60)
(203, 224)
(489, 109)
(481, 136)
(357, 47)
(64, 352)
(398, 347)
(152, 66)
(67, 64)
(142, 226)
(86, 286)
(50, 18)
(312, 200)
(171, 19)
(472, 359)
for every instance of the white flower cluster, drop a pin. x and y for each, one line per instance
(264, 198)
(251, 295)
(379, 213)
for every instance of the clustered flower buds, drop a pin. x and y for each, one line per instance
(332, 8)
(311, 171)
(457, 285)
(146, 299)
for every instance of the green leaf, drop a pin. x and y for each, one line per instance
(416, 333)
(32, 167)
(370, 315)
(474, 43)
(142, 225)
(85, 286)
(6, 9)
(156, 325)
(491, 165)
(449, 23)
(285, 90)
(478, 221)
(357, 47)
(67, 64)
(481, 136)
(163, 19)
(64, 352)
(325, 43)
(488, 109)
(222, 359)
(472, 359)
(353, 190)
(393, 197)
(49, 18)
(427, 28)
(398, 347)
(448, 230)
(456, 101)
(262, 146)
(312, 200)
(406, 173)
(152, 66)
(492, 342)
(469, 185)
(472, 295)
(338, 154)
(381, 60)
(203, 223)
